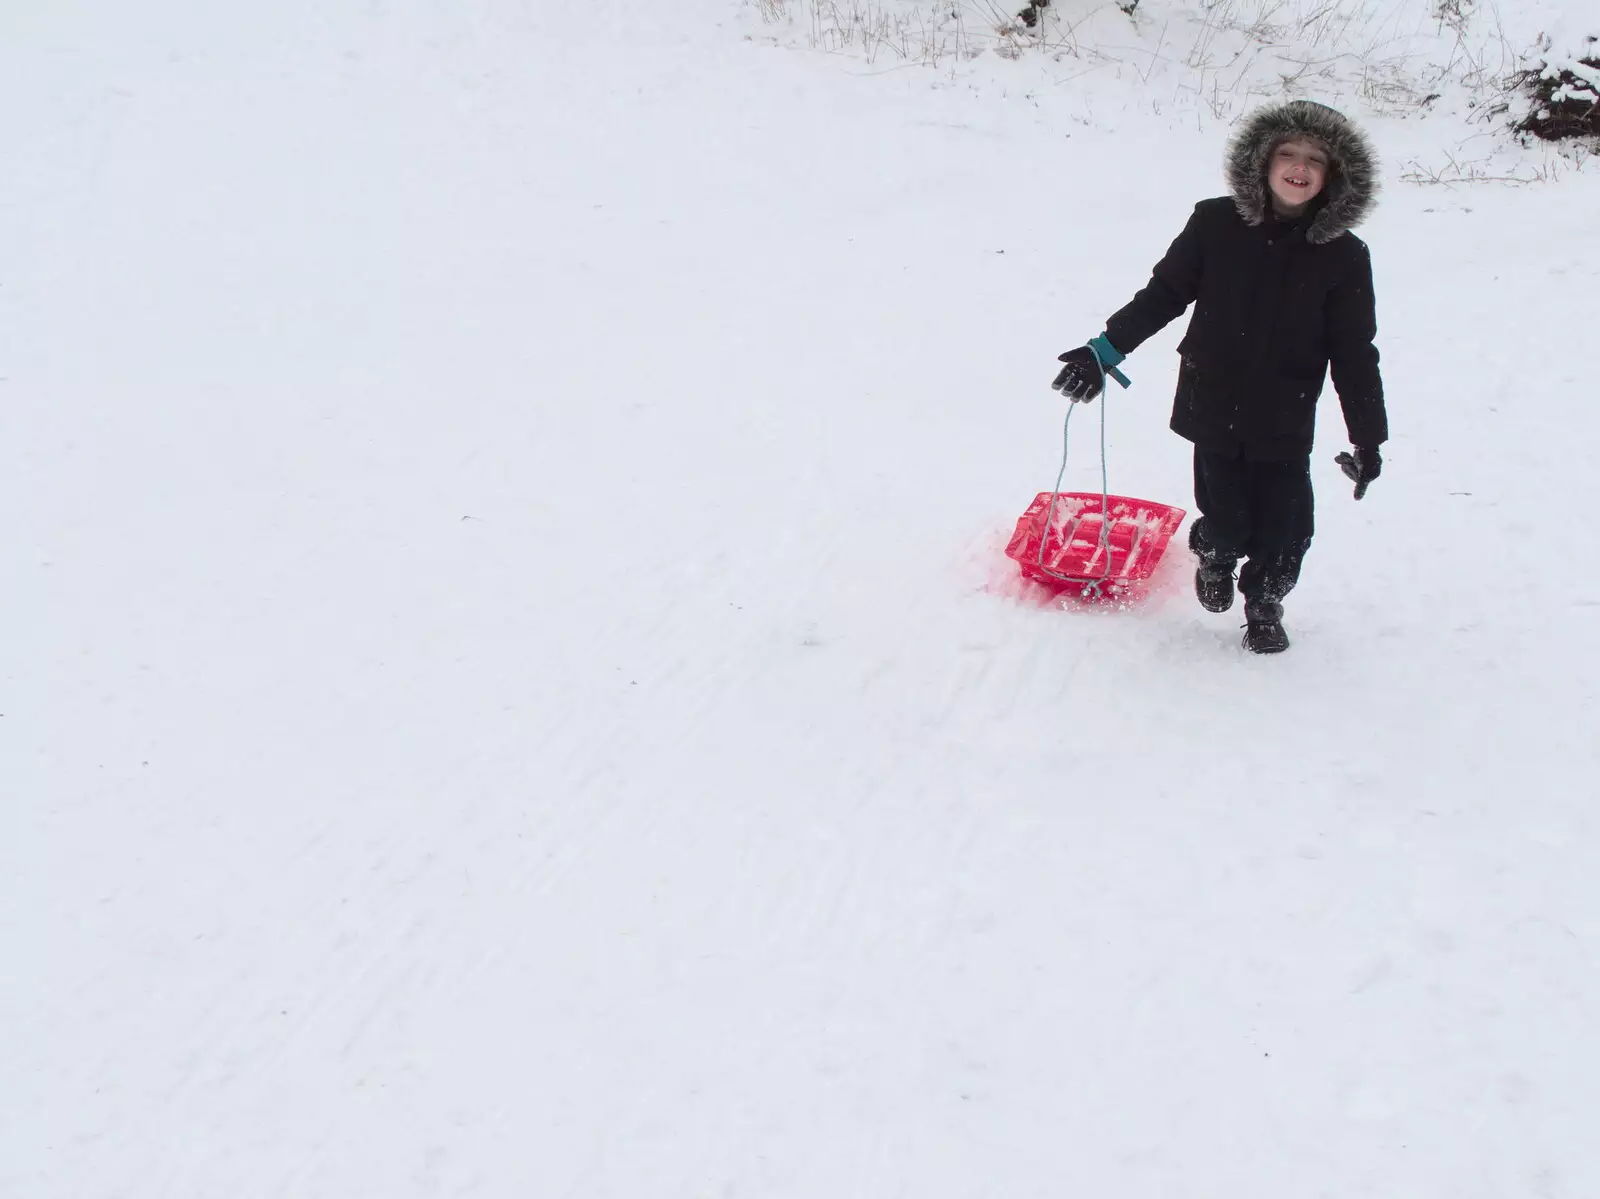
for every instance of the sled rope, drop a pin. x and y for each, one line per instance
(1092, 585)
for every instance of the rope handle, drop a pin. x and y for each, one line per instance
(1091, 586)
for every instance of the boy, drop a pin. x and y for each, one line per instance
(1282, 291)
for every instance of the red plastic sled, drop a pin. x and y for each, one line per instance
(1075, 559)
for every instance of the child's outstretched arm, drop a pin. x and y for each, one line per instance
(1173, 285)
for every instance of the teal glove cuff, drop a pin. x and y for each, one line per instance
(1109, 356)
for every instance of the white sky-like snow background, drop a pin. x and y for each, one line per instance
(512, 687)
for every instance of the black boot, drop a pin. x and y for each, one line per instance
(1213, 582)
(1213, 586)
(1264, 633)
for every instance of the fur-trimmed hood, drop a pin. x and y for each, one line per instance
(1352, 187)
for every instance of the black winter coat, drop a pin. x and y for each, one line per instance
(1273, 311)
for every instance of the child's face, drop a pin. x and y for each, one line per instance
(1296, 173)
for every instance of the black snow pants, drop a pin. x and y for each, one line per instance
(1259, 511)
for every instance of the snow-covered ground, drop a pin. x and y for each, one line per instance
(512, 688)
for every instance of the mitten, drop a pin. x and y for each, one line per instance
(1361, 467)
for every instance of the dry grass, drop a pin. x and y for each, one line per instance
(1221, 57)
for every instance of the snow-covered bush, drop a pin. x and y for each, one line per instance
(1564, 95)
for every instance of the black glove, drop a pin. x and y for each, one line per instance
(1361, 467)
(1081, 379)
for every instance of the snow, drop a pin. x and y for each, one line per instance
(514, 688)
